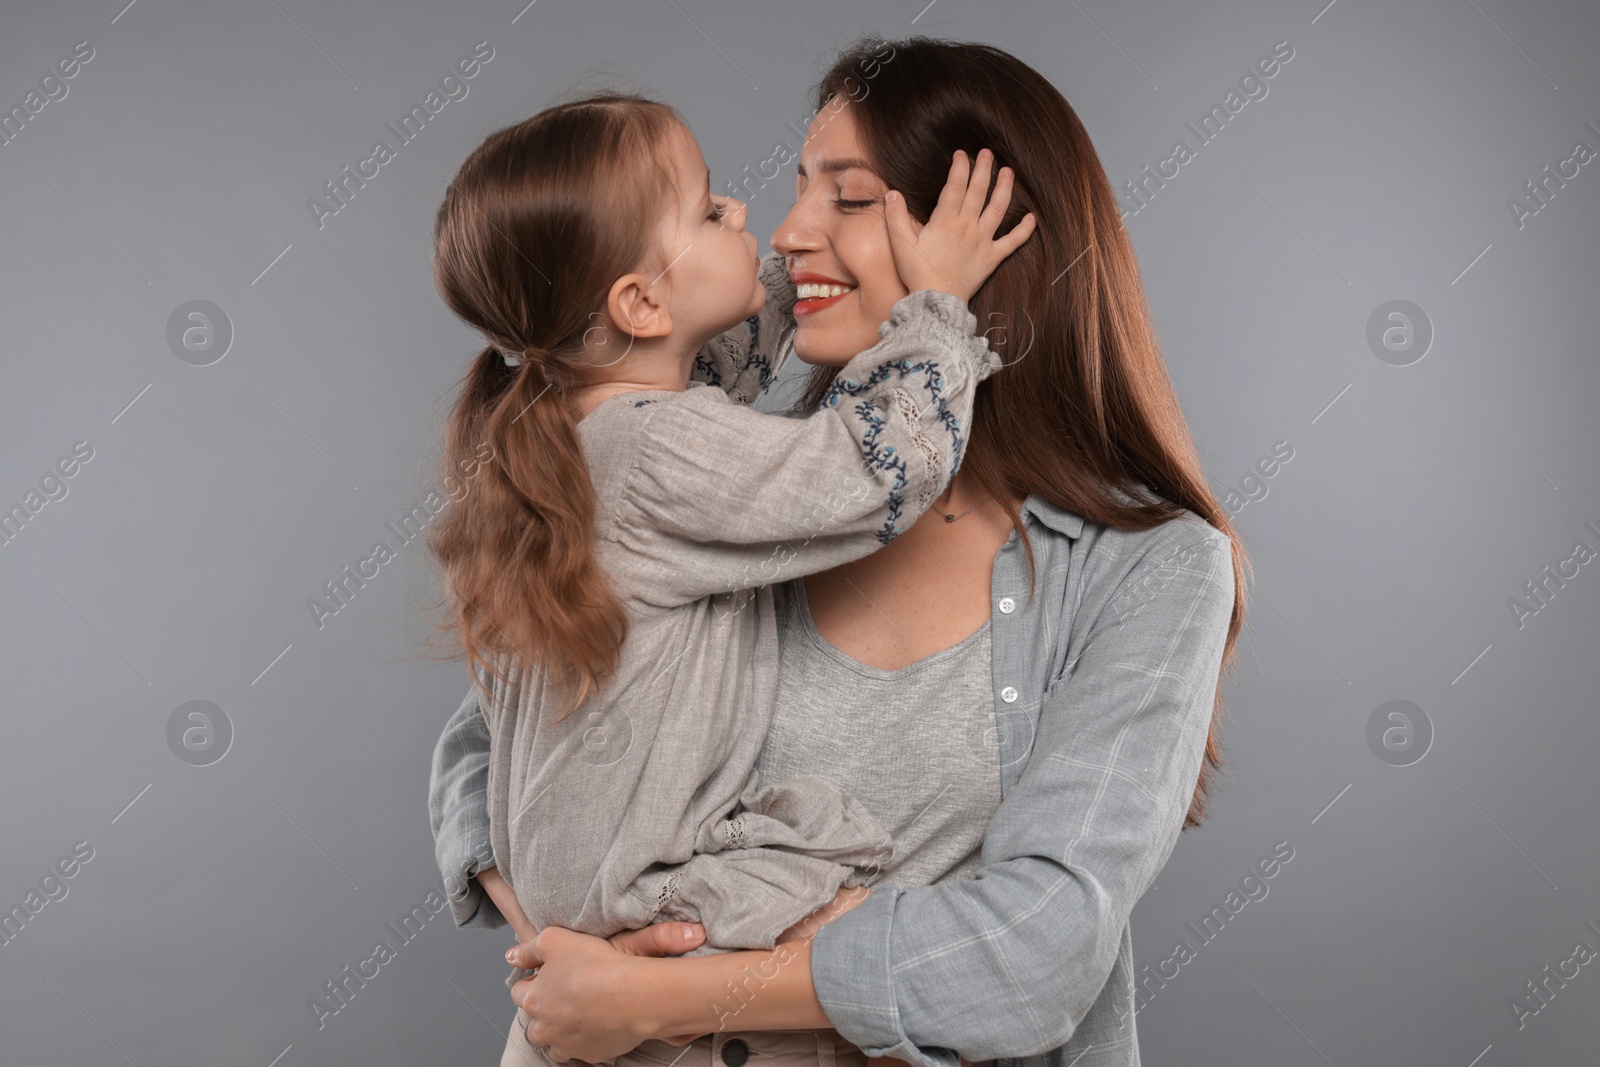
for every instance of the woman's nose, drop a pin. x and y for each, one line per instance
(794, 235)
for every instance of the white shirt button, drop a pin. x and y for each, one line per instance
(1008, 694)
(1007, 605)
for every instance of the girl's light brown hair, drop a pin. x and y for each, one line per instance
(1084, 407)
(539, 221)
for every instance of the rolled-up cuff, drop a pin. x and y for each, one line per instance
(850, 971)
(470, 906)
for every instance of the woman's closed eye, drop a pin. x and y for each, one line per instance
(847, 204)
(718, 212)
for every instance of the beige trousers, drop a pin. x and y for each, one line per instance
(767, 1048)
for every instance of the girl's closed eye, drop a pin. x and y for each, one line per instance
(855, 203)
(718, 211)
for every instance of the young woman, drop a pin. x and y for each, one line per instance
(1023, 688)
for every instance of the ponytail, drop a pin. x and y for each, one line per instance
(537, 224)
(518, 551)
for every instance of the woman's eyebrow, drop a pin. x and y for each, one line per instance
(833, 166)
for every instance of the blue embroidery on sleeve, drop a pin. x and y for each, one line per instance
(933, 383)
(706, 371)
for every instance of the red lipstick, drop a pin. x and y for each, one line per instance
(812, 305)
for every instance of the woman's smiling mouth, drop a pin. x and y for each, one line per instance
(815, 292)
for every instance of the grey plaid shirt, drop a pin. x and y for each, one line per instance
(1103, 685)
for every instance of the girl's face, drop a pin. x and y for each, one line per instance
(711, 259)
(836, 236)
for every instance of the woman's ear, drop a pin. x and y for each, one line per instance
(637, 308)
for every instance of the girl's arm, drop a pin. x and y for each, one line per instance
(1005, 964)
(745, 360)
(723, 498)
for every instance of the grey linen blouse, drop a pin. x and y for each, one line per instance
(1103, 681)
(624, 813)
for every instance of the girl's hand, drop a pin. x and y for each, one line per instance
(954, 252)
(580, 1003)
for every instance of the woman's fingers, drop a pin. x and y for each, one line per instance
(524, 955)
(659, 939)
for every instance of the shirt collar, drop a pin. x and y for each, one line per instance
(1057, 518)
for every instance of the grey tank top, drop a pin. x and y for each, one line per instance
(916, 746)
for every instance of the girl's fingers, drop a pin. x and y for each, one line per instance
(903, 229)
(989, 221)
(1019, 233)
(955, 185)
(978, 187)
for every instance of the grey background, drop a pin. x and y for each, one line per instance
(221, 898)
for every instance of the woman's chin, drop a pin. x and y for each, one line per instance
(822, 347)
(823, 360)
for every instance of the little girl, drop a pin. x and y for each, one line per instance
(608, 572)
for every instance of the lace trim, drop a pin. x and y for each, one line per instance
(733, 832)
(664, 896)
(930, 452)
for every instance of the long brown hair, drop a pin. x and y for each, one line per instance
(1085, 403)
(539, 221)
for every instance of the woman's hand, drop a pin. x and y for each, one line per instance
(580, 1003)
(955, 251)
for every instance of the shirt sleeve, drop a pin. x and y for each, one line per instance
(743, 361)
(721, 497)
(458, 809)
(1007, 964)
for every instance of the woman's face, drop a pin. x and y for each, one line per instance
(836, 235)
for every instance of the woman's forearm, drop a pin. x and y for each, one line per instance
(760, 989)
(723, 993)
(749, 991)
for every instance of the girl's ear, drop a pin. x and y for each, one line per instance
(637, 308)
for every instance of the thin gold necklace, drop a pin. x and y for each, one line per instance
(975, 507)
